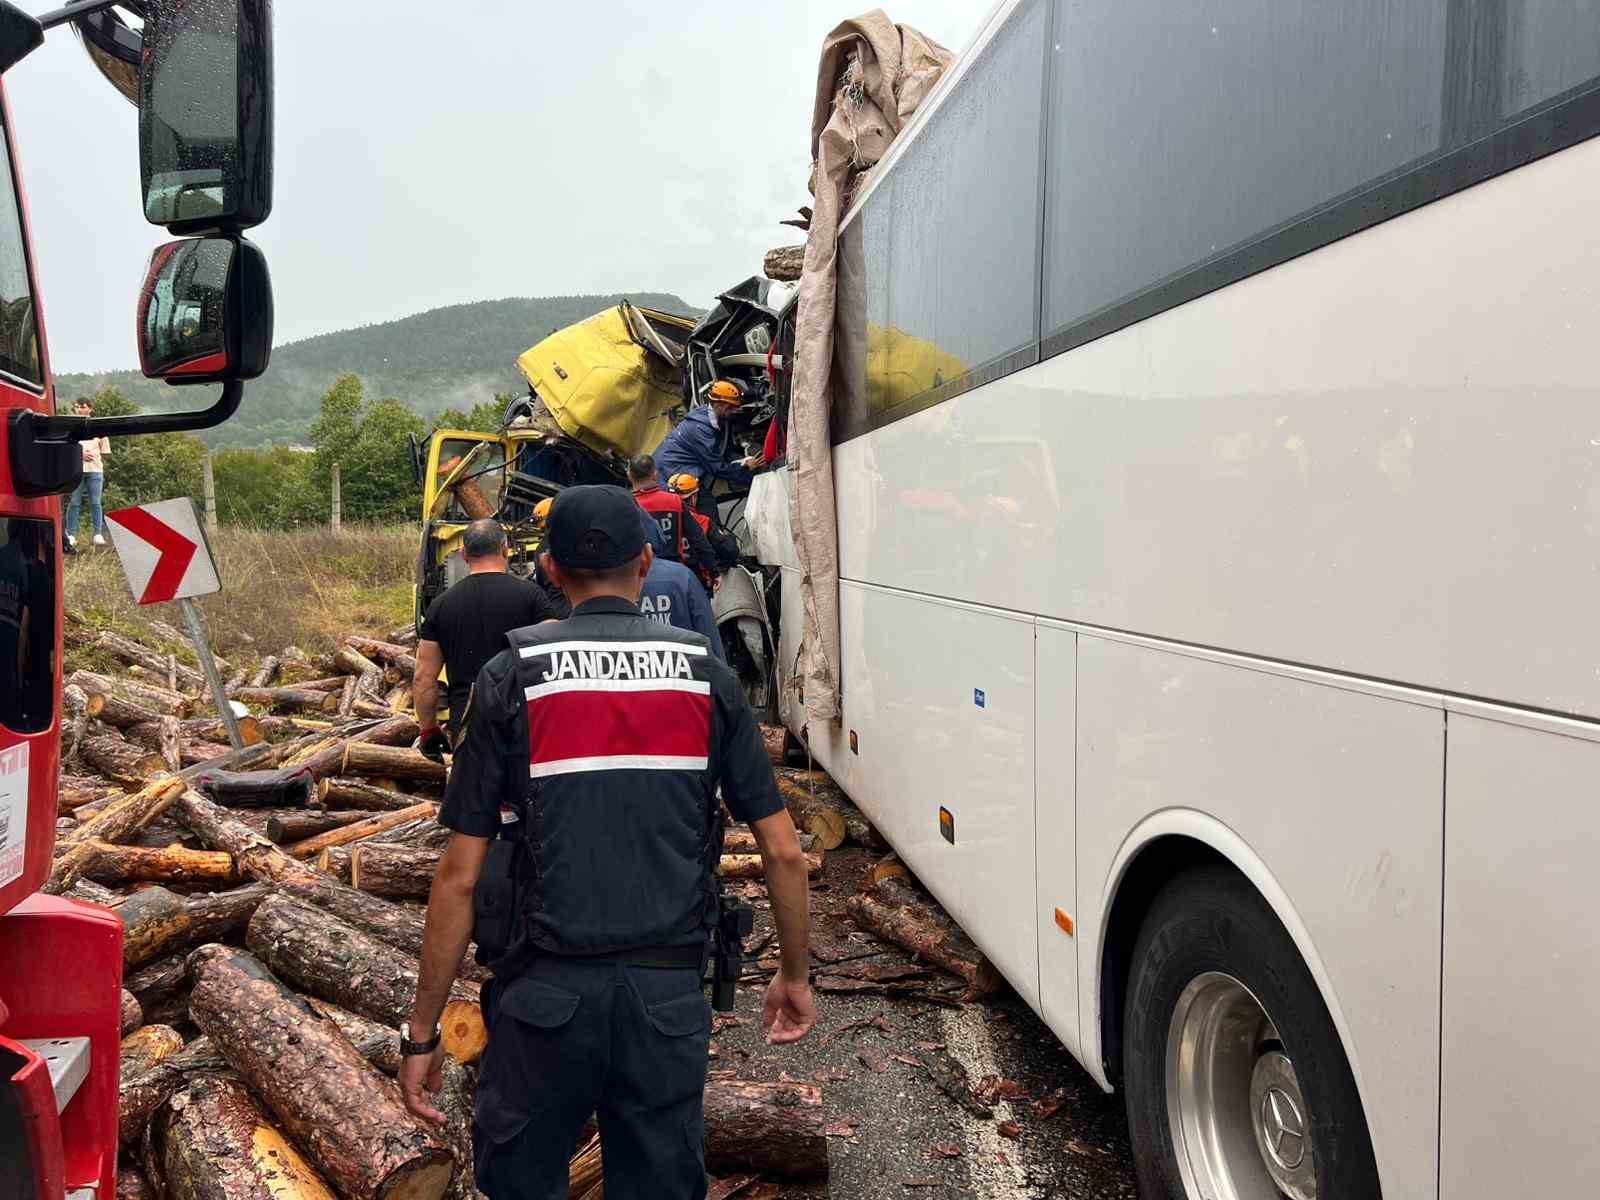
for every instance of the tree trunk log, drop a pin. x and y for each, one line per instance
(170, 738)
(78, 708)
(347, 695)
(378, 823)
(119, 821)
(346, 1116)
(750, 866)
(117, 758)
(388, 653)
(773, 1128)
(378, 1044)
(157, 922)
(456, 1100)
(130, 1014)
(335, 860)
(291, 826)
(898, 913)
(783, 263)
(198, 729)
(359, 793)
(395, 762)
(339, 962)
(397, 924)
(191, 751)
(213, 1142)
(282, 788)
(423, 834)
(160, 864)
(255, 855)
(398, 872)
(146, 1046)
(137, 654)
(812, 814)
(75, 797)
(265, 673)
(294, 699)
(155, 983)
(737, 839)
(158, 699)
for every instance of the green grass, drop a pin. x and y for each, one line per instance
(308, 588)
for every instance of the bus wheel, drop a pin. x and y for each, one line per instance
(1237, 1086)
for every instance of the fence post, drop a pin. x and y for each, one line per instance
(337, 514)
(210, 496)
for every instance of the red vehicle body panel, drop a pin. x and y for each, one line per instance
(60, 960)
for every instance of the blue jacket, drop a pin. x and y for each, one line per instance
(673, 596)
(696, 446)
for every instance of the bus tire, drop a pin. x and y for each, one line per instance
(1227, 1047)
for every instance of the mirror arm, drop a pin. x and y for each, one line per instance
(80, 429)
(72, 12)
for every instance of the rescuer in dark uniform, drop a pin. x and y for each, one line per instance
(608, 735)
(686, 540)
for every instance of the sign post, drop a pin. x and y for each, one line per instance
(165, 556)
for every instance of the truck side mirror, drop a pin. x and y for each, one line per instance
(205, 115)
(205, 311)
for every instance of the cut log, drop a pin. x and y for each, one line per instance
(359, 793)
(388, 653)
(191, 751)
(78, 709)
(456, 1100)
(467, 491)
(335, 860)
(889, 867)
(378, 1044)
(117, 758)
(335, 960)
(423, 834)
(750, 866)
(398, 925)
(773, 738)
(148, 1045)
(217, 829)
(771, 1128)
(398, 872)
(137, 654)
(291, 826)
(74, 797)
(347, 1117)
(130, 1015)
(347, 696)
(897, 912)
(160, 864)
(783, 263)
(265, 673)
(157, 922)
(282, 788)
(158, 699)
(326, 757)
(213, 1142)
(812, 814)
(169, 740)
(290, 698)
(375, 823)
(91, 892)
(395, 762)
(738, 839)
(406, 635)
(116, 823)
(198, 729)
(155, 983)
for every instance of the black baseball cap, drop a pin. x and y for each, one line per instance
(593, 527)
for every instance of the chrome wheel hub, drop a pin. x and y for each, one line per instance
(1240, 1124)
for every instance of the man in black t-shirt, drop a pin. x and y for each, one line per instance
(466, 627)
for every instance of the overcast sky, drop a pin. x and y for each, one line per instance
(429, 154)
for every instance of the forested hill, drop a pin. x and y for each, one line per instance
(451, 357)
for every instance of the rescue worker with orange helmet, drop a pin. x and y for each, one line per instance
(699, 445)
(685, 539)
(723, 543)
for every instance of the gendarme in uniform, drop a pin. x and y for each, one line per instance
(610, 734)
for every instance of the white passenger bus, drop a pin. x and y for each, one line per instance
(1219, 522)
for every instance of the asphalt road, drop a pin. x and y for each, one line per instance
(893, 1133)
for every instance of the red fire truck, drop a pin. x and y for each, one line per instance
(200, 72)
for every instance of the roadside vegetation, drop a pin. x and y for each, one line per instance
(306, 587)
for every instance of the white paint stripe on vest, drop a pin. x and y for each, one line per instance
(618, 762)
(698, 686)
(611, 647)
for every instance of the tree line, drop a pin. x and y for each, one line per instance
(282, 487)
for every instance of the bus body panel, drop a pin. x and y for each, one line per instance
(943, 718)
(1363, 459)
(1056, 855)
(1521, 1060)
(1339, 795)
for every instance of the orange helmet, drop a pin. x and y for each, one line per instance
(541, 512)
(725, 391)
(684, 484)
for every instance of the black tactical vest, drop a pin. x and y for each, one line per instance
(616, 727)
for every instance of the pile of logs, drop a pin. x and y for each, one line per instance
(273, 906)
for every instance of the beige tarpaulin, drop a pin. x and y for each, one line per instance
(872, 77)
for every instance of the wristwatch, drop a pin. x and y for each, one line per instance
(410, 1049)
